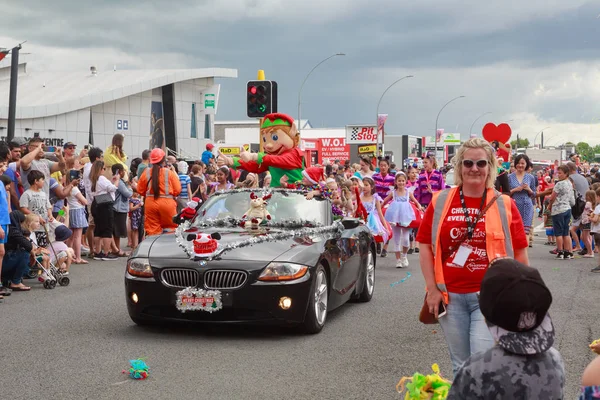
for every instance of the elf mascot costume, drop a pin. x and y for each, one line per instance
(281, 155)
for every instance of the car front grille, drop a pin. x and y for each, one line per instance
(224, 279)
(179, 277)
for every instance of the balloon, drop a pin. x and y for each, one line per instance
(500, 133)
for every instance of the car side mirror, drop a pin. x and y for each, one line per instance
(350, 223)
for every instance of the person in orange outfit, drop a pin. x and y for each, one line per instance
(160, 186)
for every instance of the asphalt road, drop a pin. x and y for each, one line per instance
(73, 342)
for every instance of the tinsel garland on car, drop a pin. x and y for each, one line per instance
(187, 246)
(230, 222)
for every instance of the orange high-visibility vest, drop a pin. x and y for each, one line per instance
(497, 230)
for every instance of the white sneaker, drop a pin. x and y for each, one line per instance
(404, 260)
(399, 263)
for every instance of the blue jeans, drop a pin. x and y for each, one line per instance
(560, 223)
(15, 265)
(464, 328)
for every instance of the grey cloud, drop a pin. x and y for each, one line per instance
(443, 43)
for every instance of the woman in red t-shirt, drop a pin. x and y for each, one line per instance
(464, 252)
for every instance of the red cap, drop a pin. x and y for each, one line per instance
(210, 146)
(156, 156)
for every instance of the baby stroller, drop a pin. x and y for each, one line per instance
(48, 276)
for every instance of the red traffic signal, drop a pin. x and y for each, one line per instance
(261, 98)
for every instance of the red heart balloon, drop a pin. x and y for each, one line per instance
(500, 133)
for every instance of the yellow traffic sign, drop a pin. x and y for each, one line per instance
(246, 147)
(230, 150)
(371, 148)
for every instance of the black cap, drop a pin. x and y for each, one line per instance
(62, 233)
(515, 301)
(508, 290)
(69, 144)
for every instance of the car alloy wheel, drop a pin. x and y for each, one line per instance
(368, 288)
(320, 297)
(370, 274)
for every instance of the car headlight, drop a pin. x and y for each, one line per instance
(278, 271)
(139, 267)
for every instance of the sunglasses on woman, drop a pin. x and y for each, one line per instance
(480, 163)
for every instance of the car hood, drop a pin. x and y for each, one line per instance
(166, 246)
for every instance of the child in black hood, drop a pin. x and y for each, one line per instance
(16, 260)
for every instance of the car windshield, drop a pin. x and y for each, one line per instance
(284, 206)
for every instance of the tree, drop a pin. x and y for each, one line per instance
(518, 143)
(585, 151)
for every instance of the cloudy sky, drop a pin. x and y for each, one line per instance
(535, 62)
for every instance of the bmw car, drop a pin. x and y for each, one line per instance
(291, 269)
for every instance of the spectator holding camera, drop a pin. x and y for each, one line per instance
(34, 161)
(120, 207)
(77, 218)
(114, 154)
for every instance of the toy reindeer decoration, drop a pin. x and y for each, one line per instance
(257, 213)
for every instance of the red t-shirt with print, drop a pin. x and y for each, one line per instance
(503, 153)
(467, 279)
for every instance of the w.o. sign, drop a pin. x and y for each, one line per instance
(500, 133)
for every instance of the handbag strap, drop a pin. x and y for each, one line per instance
(482, 213)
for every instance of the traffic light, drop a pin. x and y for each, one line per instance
(261, 98)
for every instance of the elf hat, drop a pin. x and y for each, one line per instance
(313, 174)
(281, 120)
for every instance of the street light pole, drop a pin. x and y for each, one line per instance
(536, 135)
(304, 81)
(377, 115)
(473, 124)
(436, 122)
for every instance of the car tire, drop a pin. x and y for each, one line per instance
(369, 279)
(316, 315)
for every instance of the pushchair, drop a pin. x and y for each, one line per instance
(48, 276)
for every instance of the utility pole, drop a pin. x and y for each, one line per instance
(12, 98)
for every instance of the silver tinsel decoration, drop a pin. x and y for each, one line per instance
(261, 192)
(294, 227)
(261, 236)
(231, 222)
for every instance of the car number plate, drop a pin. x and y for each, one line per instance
(194, 299)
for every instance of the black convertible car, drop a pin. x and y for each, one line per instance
(292, 269)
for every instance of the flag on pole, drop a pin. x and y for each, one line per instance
(439, 134)
(3, 53)
(381, 118)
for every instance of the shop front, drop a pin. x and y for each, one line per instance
(323, 150)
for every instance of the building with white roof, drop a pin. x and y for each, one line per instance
(152, 108)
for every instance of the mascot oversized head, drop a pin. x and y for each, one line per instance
(280, 156)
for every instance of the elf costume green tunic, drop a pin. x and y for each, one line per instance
(290, 162)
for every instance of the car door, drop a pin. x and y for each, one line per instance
(348, 255)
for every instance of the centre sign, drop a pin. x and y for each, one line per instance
(361, 134)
